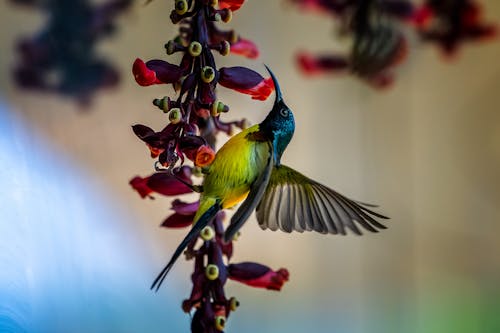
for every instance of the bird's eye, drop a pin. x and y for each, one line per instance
(284, 112)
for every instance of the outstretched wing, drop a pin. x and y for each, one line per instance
(294, 202)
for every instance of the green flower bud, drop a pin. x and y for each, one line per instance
(217, 108)
(220, 323)
(162, 103)
(195, 49)
(207, 233)
(207, 74)
(233, 304)
(212, 272)
(181, 7)
(175, 115)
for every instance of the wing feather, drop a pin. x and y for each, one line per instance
(293, 202)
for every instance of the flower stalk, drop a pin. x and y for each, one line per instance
(194, 120)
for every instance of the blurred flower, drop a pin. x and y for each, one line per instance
(257, 275)
(61, 58)
(246, 48)
(449, 23)
(378, 45)
(377, 48)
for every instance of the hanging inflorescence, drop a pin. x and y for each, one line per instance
(378, 41)
(194, 119)
(61, 58)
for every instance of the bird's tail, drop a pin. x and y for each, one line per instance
(200, 223)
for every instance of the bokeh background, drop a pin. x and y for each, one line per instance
(79, 248)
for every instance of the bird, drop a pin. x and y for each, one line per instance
(248, 168)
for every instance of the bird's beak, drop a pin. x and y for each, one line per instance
(279, 97)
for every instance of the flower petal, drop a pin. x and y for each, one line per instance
(143, 75)
(257, 275)
(231, 4)
(178, 221)
(246, 48)
(155, 72)
(246, 81)
(163, 183)
(140, 185)
(185, 208)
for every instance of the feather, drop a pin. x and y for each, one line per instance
(294, 202)
(257, 189)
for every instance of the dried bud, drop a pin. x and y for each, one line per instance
(226, 15)
(171, 47)
(225, 48)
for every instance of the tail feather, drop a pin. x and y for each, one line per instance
(195, 230)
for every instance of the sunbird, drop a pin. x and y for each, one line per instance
(248, 167)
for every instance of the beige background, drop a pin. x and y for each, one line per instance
(427, 151)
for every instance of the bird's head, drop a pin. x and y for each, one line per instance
(279, 124)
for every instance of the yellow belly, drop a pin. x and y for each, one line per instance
(235, 168)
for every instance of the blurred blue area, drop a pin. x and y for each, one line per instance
(70, 257)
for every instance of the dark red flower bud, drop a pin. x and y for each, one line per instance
(190, 144)
(257, 275)
(422, 16)
(246, 81)
(311, 64)
(246, 48)
(155, 72)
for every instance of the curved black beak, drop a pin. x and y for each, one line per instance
(279, 96)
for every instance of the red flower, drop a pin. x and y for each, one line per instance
(257, 275)
(246, 81)
(163, 183)
(155, 72)
(246, 48)
(204, 156)
(231, 4)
